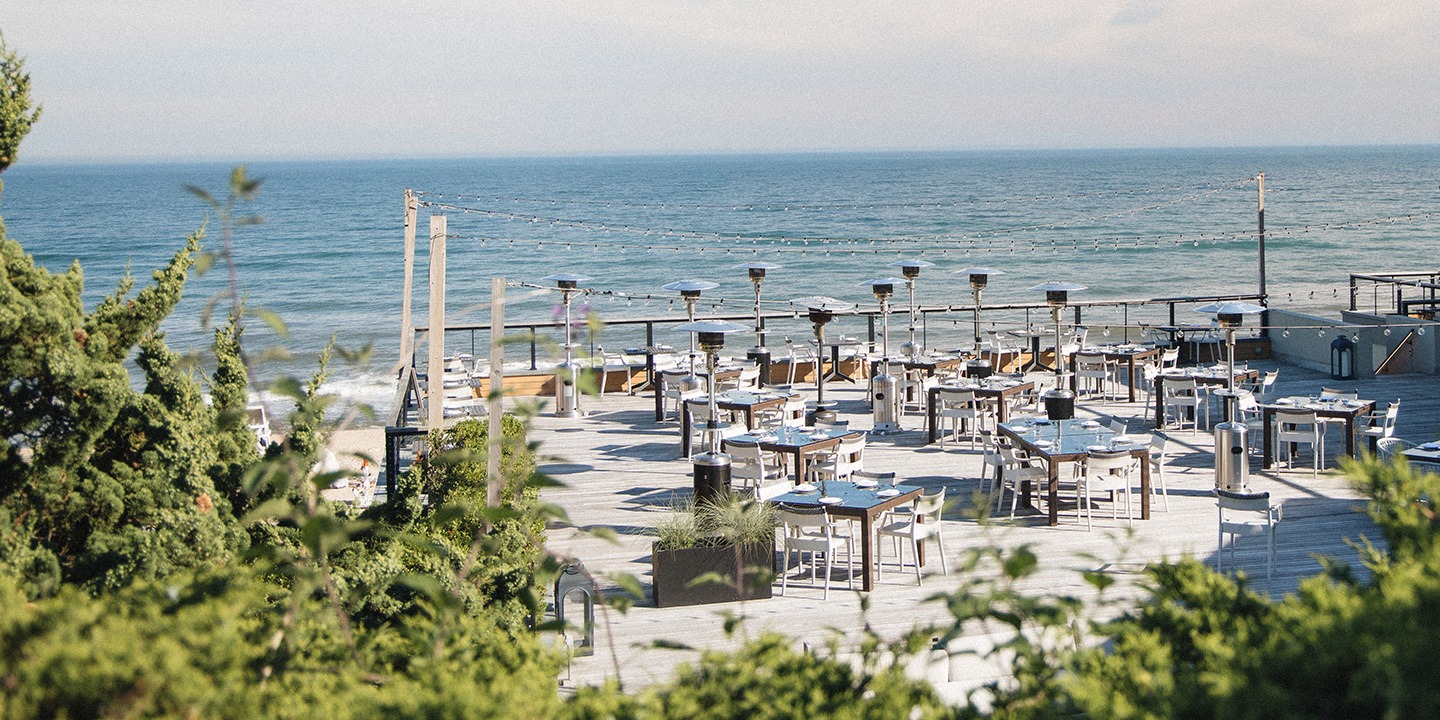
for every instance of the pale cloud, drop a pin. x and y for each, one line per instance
(193, 78)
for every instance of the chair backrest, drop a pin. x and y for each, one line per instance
(1296, 419)
(883, 478)
(1249, 404)
(954, 398)
(796, 518)
(1242, 502)
(1269, 381)
(1159, 445)
(1387, 448)
(1105, 463)
(743, 452)
(1351, 394)
(1089, 362)
(1170, 357)
(851, 451)
(699, 412)
(931, 506)
(1117, 426)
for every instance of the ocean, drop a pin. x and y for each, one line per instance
(1129, 224)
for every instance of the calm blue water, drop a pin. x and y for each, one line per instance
(329, 256)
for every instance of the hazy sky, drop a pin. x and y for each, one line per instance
(245, 80)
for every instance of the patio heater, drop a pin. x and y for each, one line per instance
(759, 354)
(567, 398)
(1059, 400)
(911, 270)
(690, 292)
(978, 367)
(1232, 447)
(884, 387)
(712, 468)
(821, 311)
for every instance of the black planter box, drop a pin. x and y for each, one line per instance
(673, 570)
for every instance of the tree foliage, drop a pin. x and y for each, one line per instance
(16, 113)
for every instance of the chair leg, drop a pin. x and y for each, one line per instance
(915, 554)
(784, 570)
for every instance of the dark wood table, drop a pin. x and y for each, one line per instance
(1427, 453)
(1000, 392)
(746, 402)
(1072, 446)
(729, 374)
(1203, 376)
(1346, 410)
(865, 505)
(835, 345)
(1034, 336)
(797, 442)
(1131, 356)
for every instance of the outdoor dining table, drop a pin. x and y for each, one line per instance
(834, 372)
(798, 442)
(1426, 453)
(1346, 411)
(1132, 356)
(1034, 335)
(650, 351)
(720, 375)
(848, 499)
(1212, 376)
(999, 390)
(747, 402)
(1045, 440)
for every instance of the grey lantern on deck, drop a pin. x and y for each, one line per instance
(1059, 400)
(690, 292)
(1232, 464)
(979, 278)
(911, 270)
(821, 310)
(567, 400)
(884, 387)
(759, 354)
(712, 469)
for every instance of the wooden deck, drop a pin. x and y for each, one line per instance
(621, 469)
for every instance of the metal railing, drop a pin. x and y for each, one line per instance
(531, 331)
(1428, 290)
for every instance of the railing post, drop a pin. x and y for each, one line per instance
(533, 364)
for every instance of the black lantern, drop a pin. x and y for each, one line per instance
(1342, 358)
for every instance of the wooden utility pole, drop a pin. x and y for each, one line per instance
(407, 324)
(435, 386)
(497, 388)
(1264, 297)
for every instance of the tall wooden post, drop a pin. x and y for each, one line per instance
(407, 324)
(1264, 296)
(497, 388)
(435, 393)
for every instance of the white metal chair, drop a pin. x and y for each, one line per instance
(749, 378)
(801, 354)
(1159, 450)
(997, 480)
(1017, 470)
(1092, 372)
(1170, 358)
(790, 414)
(1186, 397)
(610, 363)
(674, 395)
(1296, 427)
(752, 468)
(962, 406)
(849, 458)
(1117, 426)
(1246, 514)
(1106, 472)
(813, 531)
(1380, 425)
(923, 524)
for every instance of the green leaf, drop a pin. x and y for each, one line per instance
(273, 320)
